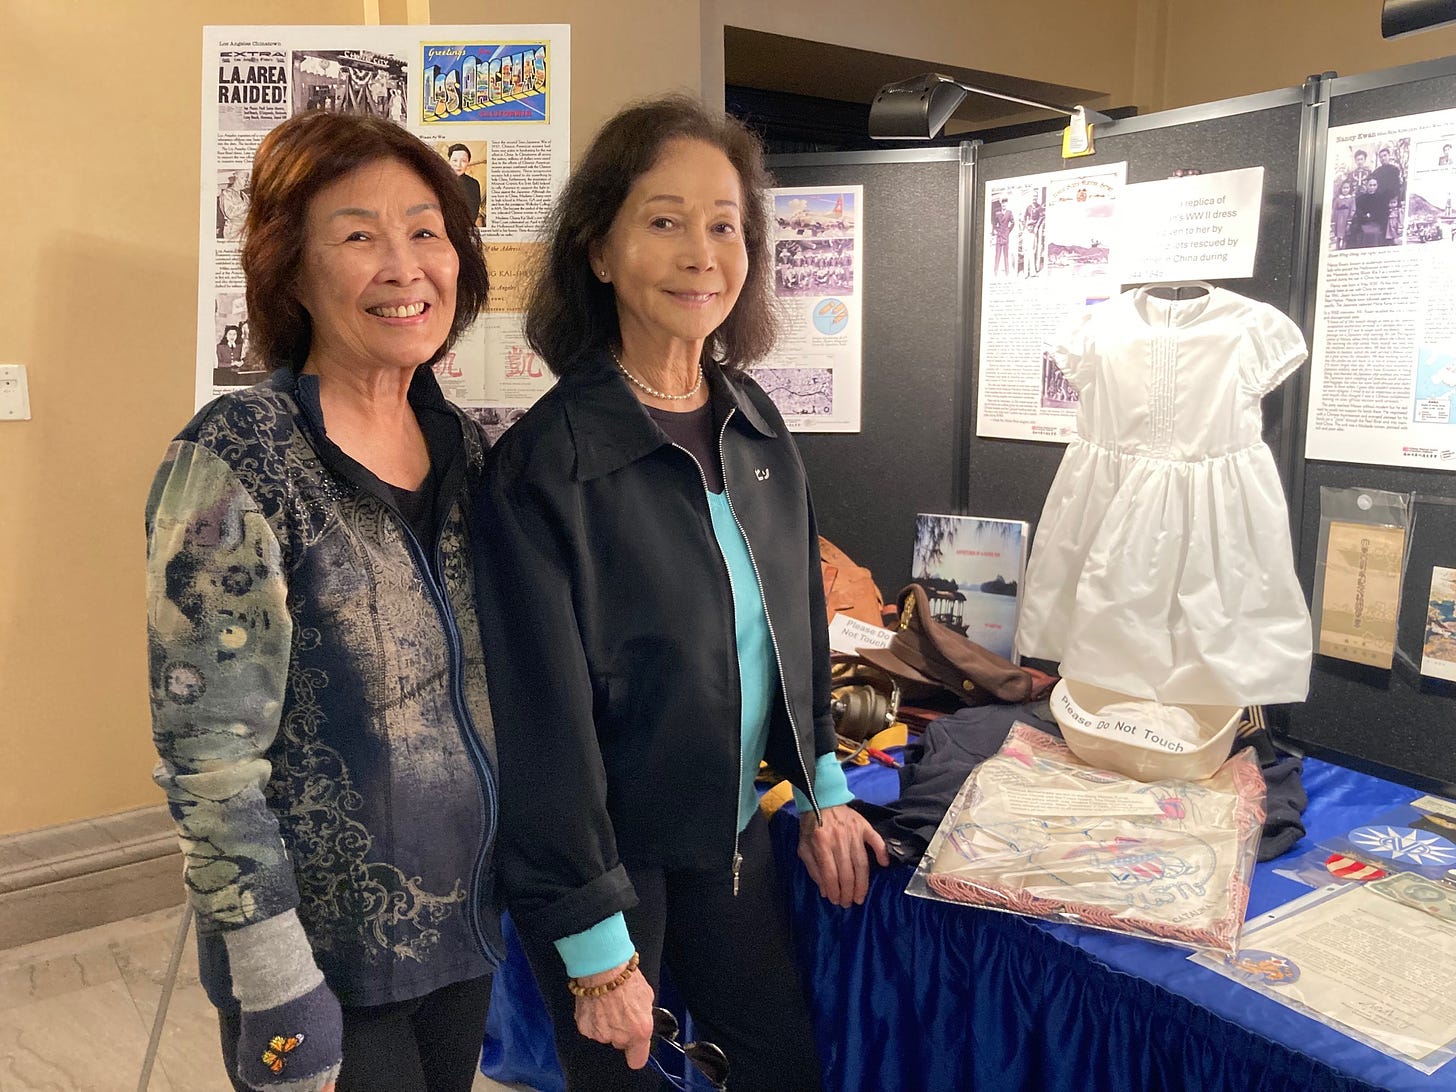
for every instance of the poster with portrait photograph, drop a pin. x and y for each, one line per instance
(1383, 364)
(814, 372)
(1047, 251)
(492, 101)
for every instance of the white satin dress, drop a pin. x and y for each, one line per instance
(1162, 566)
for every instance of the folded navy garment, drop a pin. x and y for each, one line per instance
(1284, 804)
(952, 746)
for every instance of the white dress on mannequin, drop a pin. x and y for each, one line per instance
(1162, 565)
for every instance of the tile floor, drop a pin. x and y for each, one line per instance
(76, 1012)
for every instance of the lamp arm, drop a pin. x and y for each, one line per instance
(1091, 115)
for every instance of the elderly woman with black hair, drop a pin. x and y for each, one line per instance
(317, 686)
(655, 619)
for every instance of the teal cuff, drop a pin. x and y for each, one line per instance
(830, 787)
(604, 946)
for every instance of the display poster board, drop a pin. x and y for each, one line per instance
(920, 450)
(494, 101)
(1398, 721)
(1008, 478)
(868, 485)
(1047, 251)
(1383, 386)
(1203, 226)
(813, 374)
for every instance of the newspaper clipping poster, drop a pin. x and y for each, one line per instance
(494, 101)
(813, 374)
(1384, 358)
(1047, 252)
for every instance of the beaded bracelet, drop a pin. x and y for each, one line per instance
(578, 990)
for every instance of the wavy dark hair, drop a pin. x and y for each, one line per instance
(293, 163)
(571, 317)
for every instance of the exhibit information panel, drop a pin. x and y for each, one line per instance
(1202, 226)
(494, 101)
(1046, 253)
(1375, 961)
(814, 373)
(1384, 360)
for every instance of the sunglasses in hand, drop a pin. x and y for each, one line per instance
(707, 1058)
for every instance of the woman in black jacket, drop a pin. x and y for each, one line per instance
(655, 624)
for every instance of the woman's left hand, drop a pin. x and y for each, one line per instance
(836, 853)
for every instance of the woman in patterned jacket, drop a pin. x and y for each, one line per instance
(317, 684)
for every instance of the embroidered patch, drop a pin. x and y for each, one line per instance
(1350, 868)
(279, 1047)
(1404, 844)
(1254, 965)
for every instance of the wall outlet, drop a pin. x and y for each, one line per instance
(14, 393)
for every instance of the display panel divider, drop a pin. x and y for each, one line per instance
(1256, 130)
(1395, 723)
(906, 458)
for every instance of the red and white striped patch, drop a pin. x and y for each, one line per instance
(1348, 868)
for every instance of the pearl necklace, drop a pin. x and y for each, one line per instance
(653, 390)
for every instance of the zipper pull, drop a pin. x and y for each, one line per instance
(737, 864)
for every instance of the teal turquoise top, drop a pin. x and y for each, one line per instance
(607, 943)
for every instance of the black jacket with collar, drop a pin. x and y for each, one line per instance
(609, 628)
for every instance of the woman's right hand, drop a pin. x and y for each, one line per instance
(621, 1018)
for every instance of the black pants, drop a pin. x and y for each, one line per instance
(731, 959)
(428, 1044)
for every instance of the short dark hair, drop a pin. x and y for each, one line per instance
(458, 148)
(570, 315)
(1360, 153)
(293, 163)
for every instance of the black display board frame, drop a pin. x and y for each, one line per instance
(867, 488)
(1201, 137)
(1395, 723)
(914, 401)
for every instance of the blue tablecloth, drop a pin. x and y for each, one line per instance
(910, 994)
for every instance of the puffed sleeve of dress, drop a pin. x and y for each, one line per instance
(1273, 349)
(1073, 347)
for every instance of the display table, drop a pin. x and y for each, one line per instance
(910, 994)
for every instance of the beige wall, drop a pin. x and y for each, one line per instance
(98, 231)
(98, 218)
(620, 49)
(1060, 41)
(98, 225)
(1239, 47)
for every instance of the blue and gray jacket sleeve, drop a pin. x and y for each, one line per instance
(219, 640)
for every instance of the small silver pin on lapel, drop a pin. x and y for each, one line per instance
(761, 474)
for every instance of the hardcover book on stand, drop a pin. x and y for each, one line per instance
(972, 569)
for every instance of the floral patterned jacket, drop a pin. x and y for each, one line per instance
(318, 696)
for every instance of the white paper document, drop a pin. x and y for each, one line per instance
(1030, 800)
(1375, 961)
(1383, 377)
(1048, 250)
(1200, 227)
(814, 373)
(849, 635)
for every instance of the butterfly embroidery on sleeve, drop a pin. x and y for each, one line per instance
(279, 1047)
